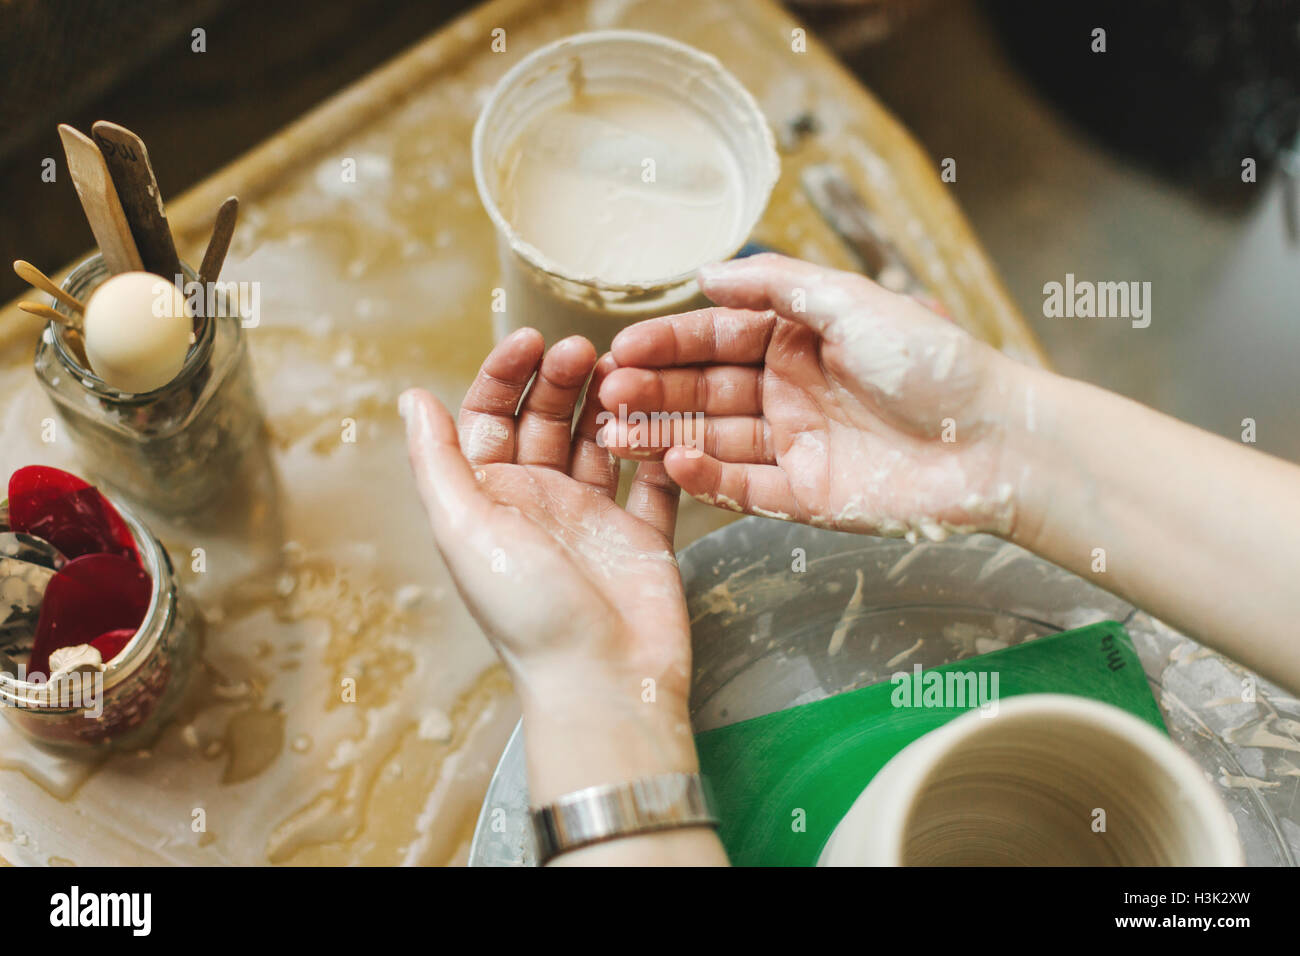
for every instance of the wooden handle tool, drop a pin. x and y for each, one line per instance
(100, 201)
(219, 244)
(45, 312)
(37, 279)
(128, 162)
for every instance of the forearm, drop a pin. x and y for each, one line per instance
(1199, 531)
(590, 734)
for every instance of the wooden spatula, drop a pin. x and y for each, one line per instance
(128, 162)
(45, 312)
(99, 199)
(39, 280)
(219, 244)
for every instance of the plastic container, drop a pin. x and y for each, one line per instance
(560, 301)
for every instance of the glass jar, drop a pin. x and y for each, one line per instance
(124, 706)
(172, 450)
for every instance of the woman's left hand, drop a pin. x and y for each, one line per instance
(581, 598)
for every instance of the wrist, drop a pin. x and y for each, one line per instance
(1031, 407)
(610, 730)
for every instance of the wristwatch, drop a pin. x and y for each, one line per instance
(664, 802)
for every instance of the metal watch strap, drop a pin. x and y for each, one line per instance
(665, 802)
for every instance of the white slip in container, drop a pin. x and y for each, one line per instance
(690, 128)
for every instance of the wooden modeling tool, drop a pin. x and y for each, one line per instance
(99, 200)
(128, 163)
(45, 312)
(37, 279)
(219, 244)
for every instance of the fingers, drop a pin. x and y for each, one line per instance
(752, 489)
(444, 478)
(736, 438)
(713, 390)
(809, 294)
(712, 336)
(653, 498)
(487, 417)
(591, 463)
(545, 425)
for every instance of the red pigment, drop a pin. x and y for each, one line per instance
(68, 513)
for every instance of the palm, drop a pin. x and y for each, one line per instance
(825, 399)
(856, 458)
(571, 540)
(523, 507)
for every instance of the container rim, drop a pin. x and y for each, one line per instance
(770, 172)
(930, 753)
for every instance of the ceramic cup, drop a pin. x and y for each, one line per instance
(1049, 780)
(544, 294)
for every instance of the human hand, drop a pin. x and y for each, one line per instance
(581, 598)
(824, 399)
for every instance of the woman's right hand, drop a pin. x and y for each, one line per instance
(821, 398)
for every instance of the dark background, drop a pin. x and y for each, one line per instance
(1189, 85)
(129, 61)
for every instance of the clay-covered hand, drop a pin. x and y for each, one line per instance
(818, 396)
(581, 598)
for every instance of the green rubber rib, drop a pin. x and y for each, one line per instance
(783, 781)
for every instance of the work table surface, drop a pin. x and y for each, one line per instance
(328, 577)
